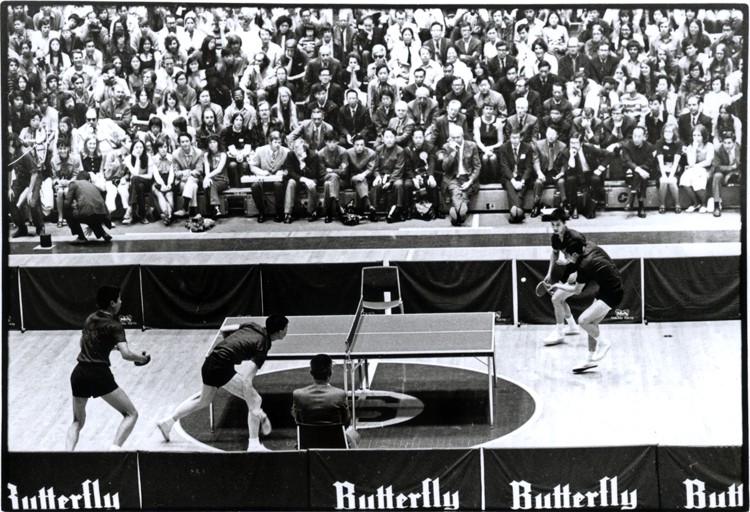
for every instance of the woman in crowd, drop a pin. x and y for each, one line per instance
(149, 83)
(353, 76)
(186, 95)
(143, 110)
(154, 132)
(216, 180)
(65, 134)
(135, 77)
(91, 157)
(694, 84)
(206, 56)
(146, 54)
(726, 122)
(700, 156)
(119, 47)
(141, 176)
(697, 36)
(488, 134)
(196, 77)
(669, 155)
(539, 47)
(555, 34)
(171, 108)
(721, 64)
(56, 62)
(285, 111)
(163, 173)
(236, 139)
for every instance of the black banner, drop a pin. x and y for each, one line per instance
(57, 299)
(555, 478)
(458, 286)
(536, 310)
(312, 289)
(224, 481)
(395, 479)
(196, 297)
(64, 480)
(701, 477)
(692, 289)
(11, 300)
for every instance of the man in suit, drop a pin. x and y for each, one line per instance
(726, 167)
(353, 120)
(524, 123)
(507, 85)
(334, 92)
(422, 109)
(572, 62)
(305, 173)
(555, 120)
(439, 131)
(409, 92)
(463, 96)
(422, 157)
(329, 108)
(499, 64)
(343, 35)
(364, 171)
(90, 209)
(689, 120)
(604, 64)
(312, 130)
(523, 91)
(558, 100)
(587, 127)
(550, 151)
(325, 60)
(397, 178)
(402, 125)
(639, 160)
(334, 164)
(519, 167)
(461, 166)
(543, 82)
(367, 38)
(270, 160)
(469, 48)
(583, 165)
(320, 403)
(438, 44)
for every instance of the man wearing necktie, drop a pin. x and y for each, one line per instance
(639, 160)
(550, 150)
(268, 161)
(725, 166)
(519, 165)
(334, 164)
(461, 166)
(422, 109)
(583, 166)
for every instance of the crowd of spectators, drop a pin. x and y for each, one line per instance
(413, 109)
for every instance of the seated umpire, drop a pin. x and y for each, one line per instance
(322, 404)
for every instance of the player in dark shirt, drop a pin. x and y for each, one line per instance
(593, 264)
(246, 342)
(561, 273)
(92, 377)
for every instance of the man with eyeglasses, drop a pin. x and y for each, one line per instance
(107, 132)
(367, 38)
(325, 60)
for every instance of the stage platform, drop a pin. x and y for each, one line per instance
(667, 384)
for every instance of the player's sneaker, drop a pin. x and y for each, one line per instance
(254, 445)
(265, 426)
(571, 330)
(602, 347)
(586, 365)
(555, 338)
(165, 427)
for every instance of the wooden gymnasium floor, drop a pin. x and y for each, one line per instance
(665, 383)
(671, 383)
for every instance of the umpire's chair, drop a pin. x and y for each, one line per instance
(376, 282)
(321, 436)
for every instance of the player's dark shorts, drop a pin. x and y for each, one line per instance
(92, 380)
(216, 373)
(611, 298)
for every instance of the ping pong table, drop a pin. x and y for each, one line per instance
(424, 335)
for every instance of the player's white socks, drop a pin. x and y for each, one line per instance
(254, 445)
(572, 322)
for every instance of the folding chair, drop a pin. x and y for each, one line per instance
(321, 436)
(376, 282)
